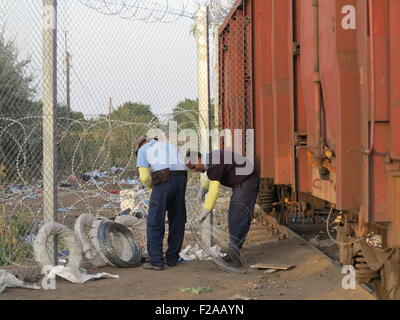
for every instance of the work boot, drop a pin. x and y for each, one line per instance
(149, 266)
(170, 263)
(145, 258)
(233, 258)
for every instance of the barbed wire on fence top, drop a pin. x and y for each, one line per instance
(162, 11)
(142, 10)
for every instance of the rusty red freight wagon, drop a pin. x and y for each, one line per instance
(319, 81)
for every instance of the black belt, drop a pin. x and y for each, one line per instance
(179, 173)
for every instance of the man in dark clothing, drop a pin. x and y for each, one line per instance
(223, 167)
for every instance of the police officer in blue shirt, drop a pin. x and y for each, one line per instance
(163, 169)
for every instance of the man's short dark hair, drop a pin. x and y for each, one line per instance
(192, 156)
(142, 141)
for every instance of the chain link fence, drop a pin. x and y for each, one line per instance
(80, 82)
(235, 75)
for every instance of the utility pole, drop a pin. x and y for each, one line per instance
(204, 100)
(50, 117)
(68, 70)
(110, 110)
(110, 107)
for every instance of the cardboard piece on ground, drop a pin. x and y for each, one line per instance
(266, 266)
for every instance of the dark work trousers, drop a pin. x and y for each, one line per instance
(167, 197)
(241, 210)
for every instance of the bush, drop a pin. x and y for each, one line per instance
(12, 229)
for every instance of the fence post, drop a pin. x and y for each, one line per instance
(50, 116)
(204, 99)
(216, 77)
(68, 75)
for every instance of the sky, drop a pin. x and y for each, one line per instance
(123, 59)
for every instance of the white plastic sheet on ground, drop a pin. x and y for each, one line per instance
(74, 275)
(129, 221)
(115, 170)
(131, 182)
(7, 280)
(43, 256)
(84, 220)
(196, 253)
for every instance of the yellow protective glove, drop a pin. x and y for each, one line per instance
(204, 189)
(206, 184)
(212, 195)
(145, 177)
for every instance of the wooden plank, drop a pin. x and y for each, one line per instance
(263, 266)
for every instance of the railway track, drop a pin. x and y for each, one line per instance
(285, 232)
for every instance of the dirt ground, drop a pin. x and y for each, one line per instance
(314, 278)
(309, 231)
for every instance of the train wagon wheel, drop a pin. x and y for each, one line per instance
(388, 286)
(364, 273)
(381, 292)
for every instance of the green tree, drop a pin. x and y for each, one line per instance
(16, 89)
(114, 142)
(134, 112)
(20, 123)
(62, 112)
(186, 114)
(21, 128)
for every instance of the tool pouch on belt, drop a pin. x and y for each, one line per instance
(159, 177)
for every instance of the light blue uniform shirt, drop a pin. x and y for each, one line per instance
(159, 156)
